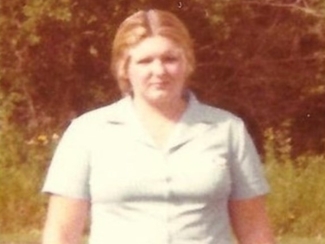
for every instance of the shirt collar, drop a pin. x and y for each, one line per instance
(196, 119)
(196, 112)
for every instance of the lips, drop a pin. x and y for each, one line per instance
(161, 82)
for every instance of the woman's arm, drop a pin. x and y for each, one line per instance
(65, 221)
(250, 221)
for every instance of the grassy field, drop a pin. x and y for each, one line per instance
(301, 240)
(35, 237)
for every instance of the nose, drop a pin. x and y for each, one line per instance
(158, 67)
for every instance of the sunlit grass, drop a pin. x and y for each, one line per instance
(300, 240)
(22, 168)
(35, 237)
(296, 202)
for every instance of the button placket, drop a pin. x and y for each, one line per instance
(169, 193)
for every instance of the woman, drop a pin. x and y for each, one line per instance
(158, 166)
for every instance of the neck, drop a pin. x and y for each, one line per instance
(170, 110)
(159, 120)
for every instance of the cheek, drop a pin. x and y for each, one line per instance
(178, 71)
(133, 72)
(137, 76)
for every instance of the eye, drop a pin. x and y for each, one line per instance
(146, 60)
(170, 58)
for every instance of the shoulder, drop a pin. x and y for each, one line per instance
(94, 120)
(99, 116)
(214, 115)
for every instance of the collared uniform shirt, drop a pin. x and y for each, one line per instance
(145, 195)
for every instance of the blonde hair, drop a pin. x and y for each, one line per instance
(141, 25)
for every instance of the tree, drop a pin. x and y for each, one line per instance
(260, 60)
(266, 60)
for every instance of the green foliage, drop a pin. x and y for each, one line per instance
(20, 198)
(297, 199)
(263, 60)
(22, 168)
(254, 58)
(265, 63)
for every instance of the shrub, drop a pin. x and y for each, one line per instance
(297, 199)
(22, 167)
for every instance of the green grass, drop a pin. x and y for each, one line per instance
(301, 240)
(22, 168)
(27, 238)
(34, 238)
(296, 202)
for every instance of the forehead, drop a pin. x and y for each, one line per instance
(155, 45)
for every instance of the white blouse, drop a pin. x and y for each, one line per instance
(141, 194)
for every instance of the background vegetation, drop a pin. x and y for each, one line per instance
(263, 60)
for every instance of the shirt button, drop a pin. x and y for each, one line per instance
(168, 179)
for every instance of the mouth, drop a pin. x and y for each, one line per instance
(161, 84)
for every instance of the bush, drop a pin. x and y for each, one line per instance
(297, 199)
(22, 168)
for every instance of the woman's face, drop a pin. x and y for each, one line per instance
(157, 70)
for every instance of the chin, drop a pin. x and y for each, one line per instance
(162, 98)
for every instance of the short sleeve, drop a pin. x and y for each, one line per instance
(248, 179)
(68, 174)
